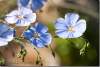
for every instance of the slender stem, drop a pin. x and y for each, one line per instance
(53, 53)
(39, 59)
(23, 52)
(38, 54)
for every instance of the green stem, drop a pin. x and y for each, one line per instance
(23, 51)
(53, 53)
(38, 57)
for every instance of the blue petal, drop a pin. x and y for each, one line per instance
(80, 26)
(3, 28)
(28, 34)
(62, 33)
(60, 24)
(32, 29)
(40, 43)
(76, 34)
(41, 28)
(37, 42)
(70, 35)
(7, 33)
(24, 2)
(37, 4)
(71, 19)
(46, 38)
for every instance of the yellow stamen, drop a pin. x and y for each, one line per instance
(71, 29)
(20, 17)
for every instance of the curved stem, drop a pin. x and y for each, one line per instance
(39, 57)
(53, 53)
(23, 51)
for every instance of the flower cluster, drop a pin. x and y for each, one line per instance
(25, 15)
(36, 33)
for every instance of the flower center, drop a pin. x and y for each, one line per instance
(20, 17)
(71, 29)
(36, 35)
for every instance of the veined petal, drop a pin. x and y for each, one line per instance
(23, 22)
(71, 18)
(11, 19)
(77, 34)
(3, 28)
(37, 42)
(63, 34)
(32, 29)
(47, 38)
(41, 28)
(60, 24)
(24, 2)
(36, 5)
(9, 38)
(40, 43)
(80, 26)
(31, 17)
(6, 33)
(25, 11)
(28, 34)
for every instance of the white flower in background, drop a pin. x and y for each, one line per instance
(22, 17)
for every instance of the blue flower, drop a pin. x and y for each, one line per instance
(22, 17)
(70, 27)
(6, 34)
(35, 5)
(38, 35)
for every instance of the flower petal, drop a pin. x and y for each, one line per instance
(24, 2)
(3, 28)
(60, 24)
(62, 33)
(13, 13)
(3, 42)
(36, 5)
(76, 34)
(47, 38)
(25, 11)
(41, 28)
(8, 35)
(31, 17)
(71, 18)
(23, 22)
(37, 42)
(11, 19)
(9, 38)
(80, 26)
(40, 43)
(28, 34)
